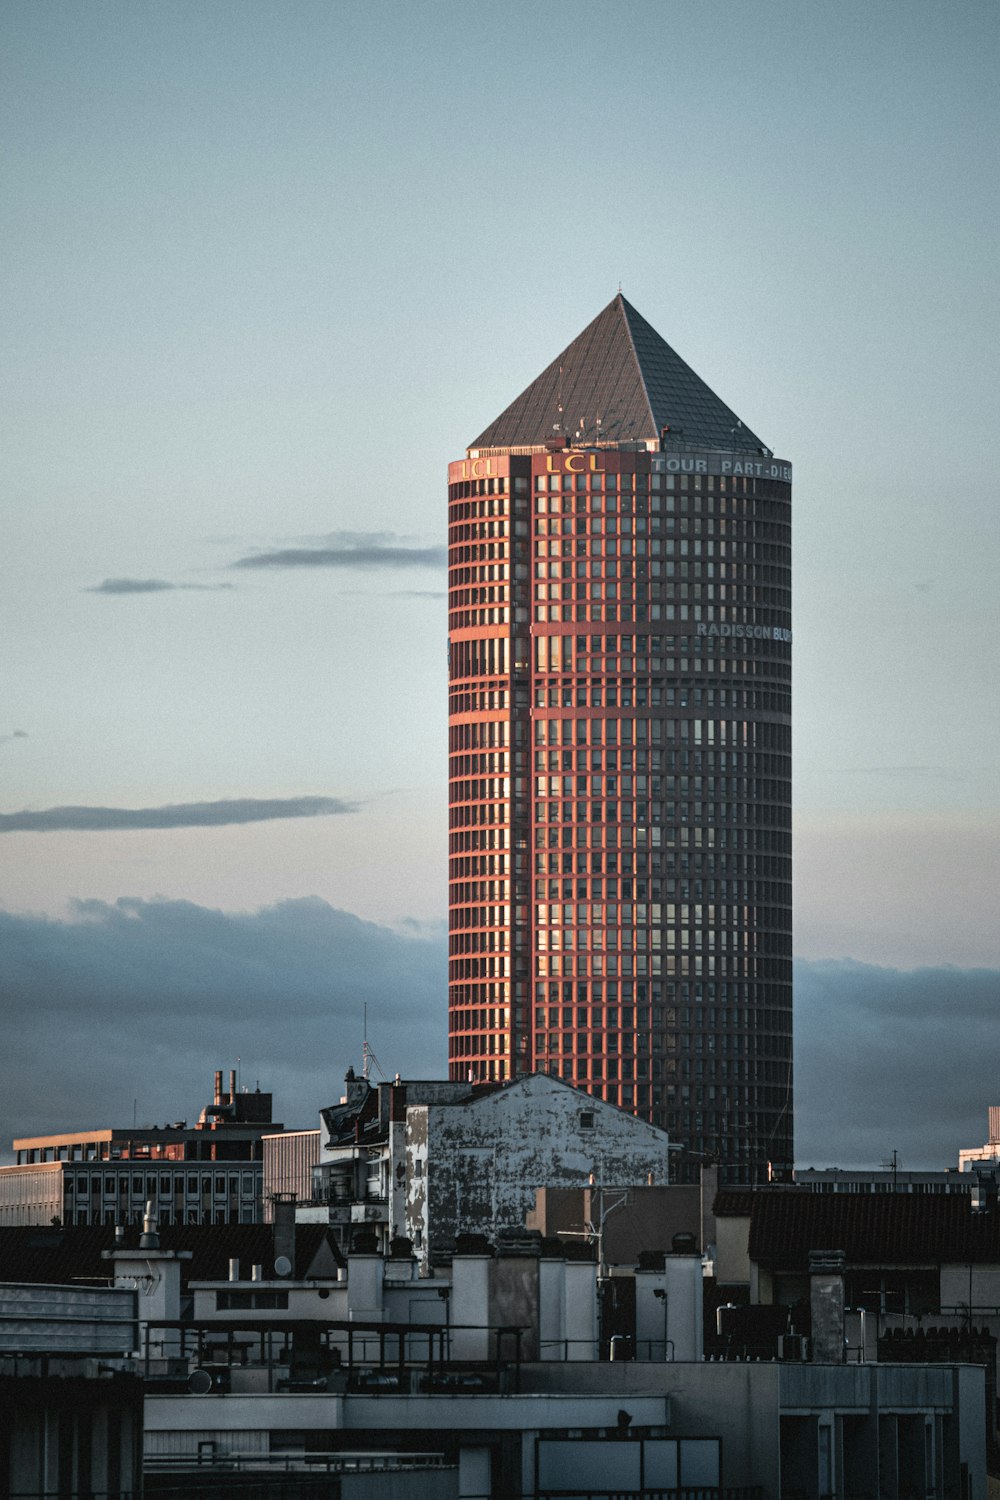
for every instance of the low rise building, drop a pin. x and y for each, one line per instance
(987, 1155)
(506, 1374)
(72, 1406)
(888, 1179)
(289, 1158)
(208, 1173)
(428, 1160)
(472, 1396)
(914, 1279)
(630, 1220)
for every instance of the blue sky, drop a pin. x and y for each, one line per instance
(269, 267)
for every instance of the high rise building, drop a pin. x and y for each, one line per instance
(620, 743)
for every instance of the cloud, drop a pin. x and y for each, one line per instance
(149, 586)
(349, 549)
(142, 1000)
(17, 734)
(174, 815)
(892, 1059)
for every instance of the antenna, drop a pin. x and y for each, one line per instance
(369, 1060)
(893, 1165)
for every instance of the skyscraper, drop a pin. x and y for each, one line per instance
(620, 748)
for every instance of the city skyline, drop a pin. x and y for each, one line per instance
(244, 249)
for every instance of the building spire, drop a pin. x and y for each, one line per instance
(621, 367)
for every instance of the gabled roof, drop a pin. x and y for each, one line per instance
(618, 382)
(341, 1119)
(540, 1085)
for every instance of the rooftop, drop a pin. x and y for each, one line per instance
(871, 1228)
(619, 382)
(43, 1253)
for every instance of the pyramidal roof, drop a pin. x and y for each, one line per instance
(618, 382)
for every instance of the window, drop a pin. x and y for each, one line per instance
(586, 1119)
(242, 1301)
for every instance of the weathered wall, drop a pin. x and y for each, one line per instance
(415, 1186)
(514, 1301)
(474, 1168)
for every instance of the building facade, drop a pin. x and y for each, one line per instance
(429, 1160)
(289, 1160)
(620, 738)
(987, 1155)
(208, 1173)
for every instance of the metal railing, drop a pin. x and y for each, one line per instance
(276, 1487)
(304, 1476)
(294, 1463)
(647, 1351)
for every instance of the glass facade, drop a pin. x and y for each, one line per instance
(620, 826)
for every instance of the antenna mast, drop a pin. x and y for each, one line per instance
(368, 1058)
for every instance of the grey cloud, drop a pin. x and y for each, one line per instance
(16, 734)
(890, 1058)
(175, 815)
(150, 586)
(141, 1000)
(349, 549)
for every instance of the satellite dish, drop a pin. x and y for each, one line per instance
(282, 1266)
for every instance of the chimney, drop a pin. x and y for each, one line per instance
(232, 1085)
(826, 1304)
(149, 1239)
(355, 1089)
(284, 1228)
(218, 1086)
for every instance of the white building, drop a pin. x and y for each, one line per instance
(429, 1160)
(989, 1153)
